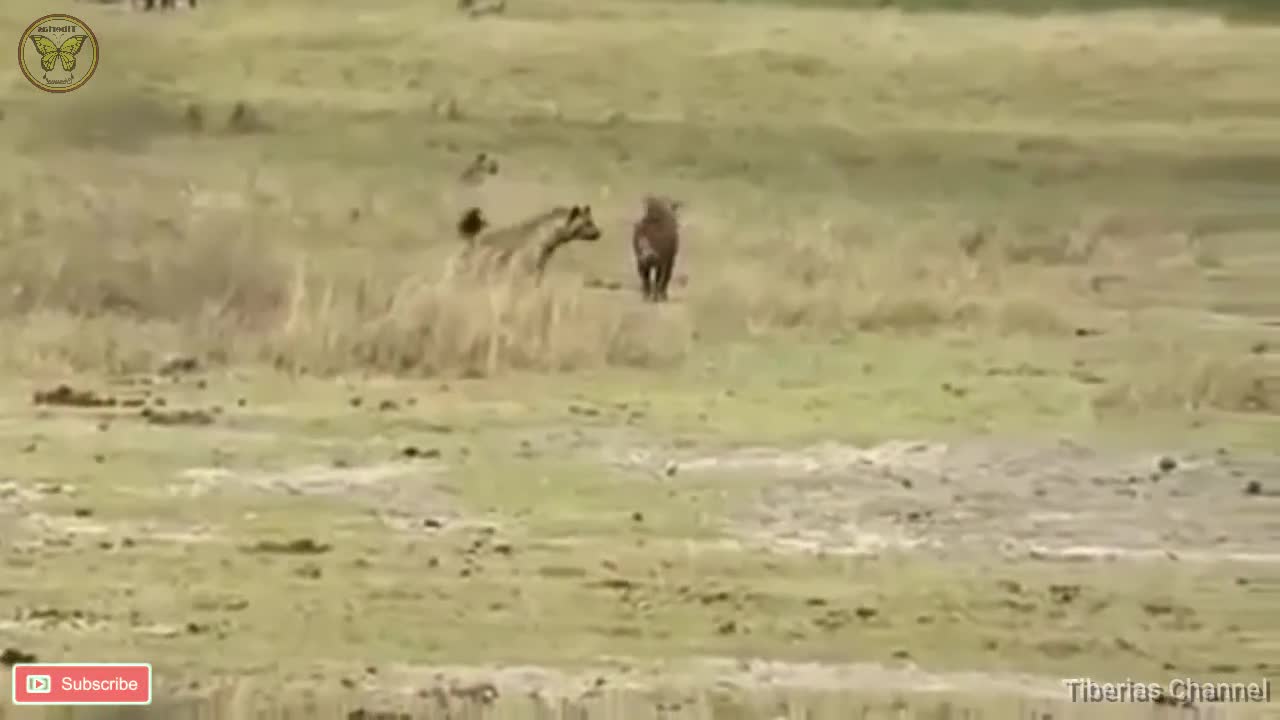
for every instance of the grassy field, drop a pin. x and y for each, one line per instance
(969, 382)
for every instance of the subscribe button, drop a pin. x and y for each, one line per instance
(82, 684)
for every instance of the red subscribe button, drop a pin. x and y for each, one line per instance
(82, 684)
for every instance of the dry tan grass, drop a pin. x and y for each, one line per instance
(1190, 379)
(120, 291)
(116, 290)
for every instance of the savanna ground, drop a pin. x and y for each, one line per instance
(970, 383)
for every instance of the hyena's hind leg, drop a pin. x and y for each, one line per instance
(663, 272)
(644, 268)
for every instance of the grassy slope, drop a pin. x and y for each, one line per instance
(833, 164)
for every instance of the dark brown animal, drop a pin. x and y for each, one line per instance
(656, 242)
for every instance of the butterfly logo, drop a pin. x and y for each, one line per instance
(66, 52)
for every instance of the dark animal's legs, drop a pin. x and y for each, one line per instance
(643, 268)
(664, 277)
(167, 4)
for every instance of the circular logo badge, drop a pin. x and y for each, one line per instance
(58, 53)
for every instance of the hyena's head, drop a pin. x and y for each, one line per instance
(662, 206)
(579, 225)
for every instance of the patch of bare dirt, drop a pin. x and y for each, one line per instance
(746, 689)
(43, 531)
(16, 493)
(34, 621)
(29, 529)
(1055, 502)
(377, 480)
(692, 688)
(408, 495)
(692, 674)
(44, 618)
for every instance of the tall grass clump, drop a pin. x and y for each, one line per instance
(119, 293)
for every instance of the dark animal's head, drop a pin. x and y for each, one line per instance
(662, 206)
(472, 223)
(579, 225)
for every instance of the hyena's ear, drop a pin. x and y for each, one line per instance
(574, 212)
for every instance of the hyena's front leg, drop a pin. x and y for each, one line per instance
(664, 278)
(643, 267)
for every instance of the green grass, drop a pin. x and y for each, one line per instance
(568, 525)
(963, 227)
(530, 537)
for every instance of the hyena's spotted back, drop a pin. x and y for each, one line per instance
(525, 246)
